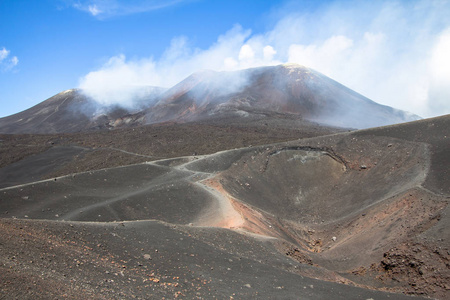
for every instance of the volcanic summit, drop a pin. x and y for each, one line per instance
(290, 89)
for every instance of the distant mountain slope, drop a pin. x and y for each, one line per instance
(287, 89)
(49, 116)
(69, 111)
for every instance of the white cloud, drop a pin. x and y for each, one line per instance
(269, 53)
(3, 54)
(246, 53)
(109, 8)
(381, 49)
(394, 52)
(14, 61)
(321, 57)
(440, 58)
(439, 66)
(230, 63)
(6, 63)
(118, 82)
(93, 9)
(119, 79)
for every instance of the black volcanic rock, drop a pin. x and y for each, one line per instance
(278, 221)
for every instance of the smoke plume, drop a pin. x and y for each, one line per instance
(393, 52)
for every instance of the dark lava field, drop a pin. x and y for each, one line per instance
(256, 208)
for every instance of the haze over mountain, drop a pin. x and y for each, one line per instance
(287, 89)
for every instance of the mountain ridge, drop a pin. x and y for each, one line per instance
(290, 88)
(287, 89)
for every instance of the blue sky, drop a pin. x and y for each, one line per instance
(394, 52)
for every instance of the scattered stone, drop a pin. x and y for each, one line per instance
(413, 264)
(334, 239)
(247, 285)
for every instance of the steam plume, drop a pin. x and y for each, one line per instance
(392, 52)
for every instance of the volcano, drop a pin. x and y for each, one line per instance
(290, 89)
(285, 89)
(228, 185)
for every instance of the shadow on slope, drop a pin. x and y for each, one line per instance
(149, 259)
(22, 157)
(350, 207)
